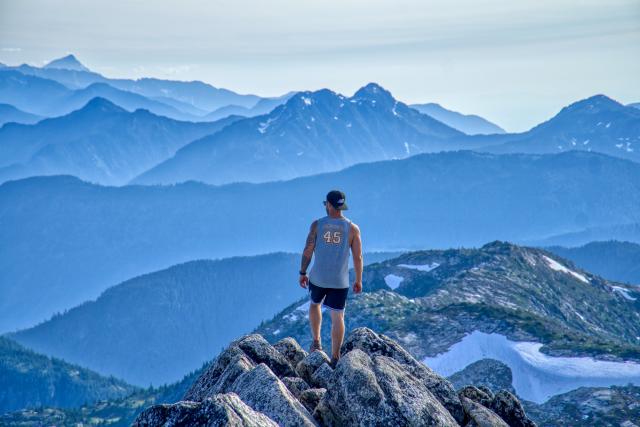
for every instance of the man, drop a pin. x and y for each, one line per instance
(330, 239)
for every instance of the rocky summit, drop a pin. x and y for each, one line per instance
(375, 383)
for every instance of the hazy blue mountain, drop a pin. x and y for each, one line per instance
(583, 235)
(47, 98)
(31, 94)
(29, 380)
(634, 105)
(194, 93)
(65, 238)
(597, 124)
(157, 327)
(194, 112)
(9, 113)
(467, 123)
(69, 62)
(312, 132)
(100, 142)
(619, 261)
(264, 106)
(128, 100)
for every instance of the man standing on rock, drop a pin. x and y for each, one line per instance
(330, 239)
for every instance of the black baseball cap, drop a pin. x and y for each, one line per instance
(337, 199)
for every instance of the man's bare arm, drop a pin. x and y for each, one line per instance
(309, 246)
(356, 252)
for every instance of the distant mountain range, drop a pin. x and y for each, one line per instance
(66, 238)
(202, 97)
(31, 380)
(299, 137)
(596, 124)
(101, 142)
(583, 235)
(619, 261)
(313, 132)
(467, 123)
(49, 98)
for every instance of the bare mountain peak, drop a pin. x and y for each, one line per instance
(69, 62)
(374, 92)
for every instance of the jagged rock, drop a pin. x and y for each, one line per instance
(260, 351)
(380, 391)
(476, 395)
(307, 366)
(376, 382)
(291, 350)
(322, 376)
(487, 390)
(296, 385)
(311, 397)
(480, 416)
(241, 356)
(206, 384)
(509, 408)
(220, 410)
(377, 344)
(324, 414)
(261, 389)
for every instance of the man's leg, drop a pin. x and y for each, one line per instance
(337, 332)
(315, 319)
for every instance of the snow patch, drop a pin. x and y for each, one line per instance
(624, 292)
(536, 376)
(406, 147)
(393, 281)
(298, 312)
(262, 127)
(424, 267)
(555, 265)
(306, 100)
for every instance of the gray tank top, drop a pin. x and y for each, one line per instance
(331, 265)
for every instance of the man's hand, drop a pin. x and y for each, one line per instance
(304, 281)
(357, 287)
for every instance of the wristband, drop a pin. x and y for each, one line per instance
(303, 273)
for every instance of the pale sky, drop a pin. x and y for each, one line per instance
(515, 62)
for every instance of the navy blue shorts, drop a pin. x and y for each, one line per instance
(332, 298)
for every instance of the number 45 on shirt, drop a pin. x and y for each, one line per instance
(334, 237)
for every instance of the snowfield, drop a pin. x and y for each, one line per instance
(555, 265)
(425, 267)
(536, 376)
(393, 281)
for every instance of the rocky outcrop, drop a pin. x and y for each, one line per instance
(375, 383)
(220, 410)
(487, 372)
